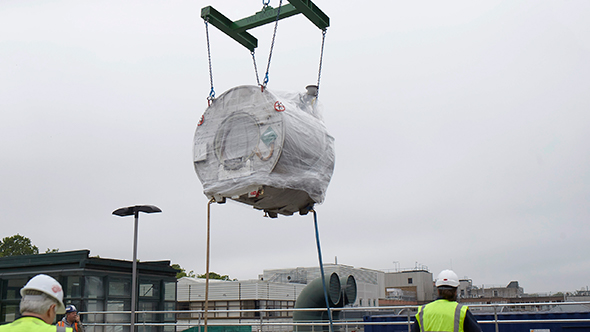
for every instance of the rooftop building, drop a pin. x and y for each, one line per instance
(236, 295)
(92, 284)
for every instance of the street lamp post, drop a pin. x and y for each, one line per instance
(128, 211)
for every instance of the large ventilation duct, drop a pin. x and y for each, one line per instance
(341, 292)
(348, 290)
(312, 296)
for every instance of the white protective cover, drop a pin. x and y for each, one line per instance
(249, 139)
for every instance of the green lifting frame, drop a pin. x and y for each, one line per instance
(237, 29)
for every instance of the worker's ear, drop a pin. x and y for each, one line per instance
(51, 313)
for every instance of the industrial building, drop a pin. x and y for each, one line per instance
(414, 286)
(467, 290)
(230, 298)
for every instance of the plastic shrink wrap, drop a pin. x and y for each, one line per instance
(267, 149)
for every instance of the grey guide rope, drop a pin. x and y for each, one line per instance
(207, 263)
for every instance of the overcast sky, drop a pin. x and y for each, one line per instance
(461, 134)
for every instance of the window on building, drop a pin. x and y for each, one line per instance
(8, 312)
(118, 305)
(94, 305)
(149, 289)
(170, 300)
(147, 306)
(93, 288)
(118, 287)
(12, 288)
(233, 305)
(73, 287)
(410, 281)
(169, 291)
(250, 304)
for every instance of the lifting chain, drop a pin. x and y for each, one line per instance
(321, 60)
(272, 45)
(212, 92)
(265, 4)
(255, 68)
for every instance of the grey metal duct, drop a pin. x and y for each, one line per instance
(312, 296)
(348, 290)
(341, 292)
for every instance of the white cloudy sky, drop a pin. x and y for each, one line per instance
(461, 134)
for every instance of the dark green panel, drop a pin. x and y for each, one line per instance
(312, 12)
(265, 16)
(237, 29)
(228, 27)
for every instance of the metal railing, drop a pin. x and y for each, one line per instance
(351, 319)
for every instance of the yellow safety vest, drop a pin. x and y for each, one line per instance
(441, 316)
(31, 324)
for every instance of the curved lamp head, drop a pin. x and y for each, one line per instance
(131, 210)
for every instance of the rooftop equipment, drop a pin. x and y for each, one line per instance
(264, 148)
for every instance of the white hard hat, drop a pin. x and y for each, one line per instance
(447, 278)
(46, 284)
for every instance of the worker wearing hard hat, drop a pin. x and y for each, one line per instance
(42, 299)
(445, 314)
(71, 319)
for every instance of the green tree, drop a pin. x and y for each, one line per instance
(51, 251)
(213, 275)
(182, 272)
(17, 245)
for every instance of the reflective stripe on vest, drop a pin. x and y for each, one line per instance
(62, 324)
(439, 318)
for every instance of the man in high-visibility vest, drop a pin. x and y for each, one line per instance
(71, 319)
(42, 300)
(445, 314)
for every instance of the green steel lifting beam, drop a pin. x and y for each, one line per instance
(238, 29)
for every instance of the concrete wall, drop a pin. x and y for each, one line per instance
(418, 281)
(193, 289)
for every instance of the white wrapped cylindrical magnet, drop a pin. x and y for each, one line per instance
(267, 149)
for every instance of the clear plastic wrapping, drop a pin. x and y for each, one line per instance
(267, 149)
